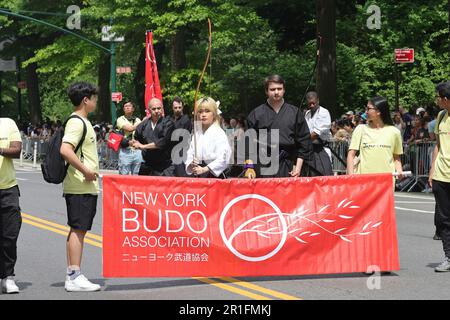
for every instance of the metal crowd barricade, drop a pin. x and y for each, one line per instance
(340, 148)
(28, 146)
(108, 158)
(27, 149)
(417, 158)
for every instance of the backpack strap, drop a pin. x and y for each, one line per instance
(441, 118)
(83, 136)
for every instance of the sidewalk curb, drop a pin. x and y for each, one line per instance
(29, 165)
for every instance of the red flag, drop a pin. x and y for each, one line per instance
(152, 86)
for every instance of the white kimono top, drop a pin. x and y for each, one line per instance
(212, 148)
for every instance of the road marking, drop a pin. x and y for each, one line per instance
(64, 233)
(255, 287)
(231, 288)
(21, 179)
(415, 210)
(97, 241)
(59, 226)
(414, 202)
(415, 197)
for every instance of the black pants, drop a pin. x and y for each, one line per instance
(320, 162)
(150, 170)
(10, 223)
(441, 191)
(282, 171)
(436, 222)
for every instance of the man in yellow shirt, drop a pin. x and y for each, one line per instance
(10, 218)
(80, 186)
(439, 178)
(130, 158)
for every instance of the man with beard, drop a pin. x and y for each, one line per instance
(181, 121)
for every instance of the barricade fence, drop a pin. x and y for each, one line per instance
(416, 158)
(35, 149)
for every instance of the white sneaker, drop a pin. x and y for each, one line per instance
(80, 283)
(9, 285)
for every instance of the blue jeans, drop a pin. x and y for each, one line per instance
(129, 161)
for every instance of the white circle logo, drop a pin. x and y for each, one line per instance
(228, 241)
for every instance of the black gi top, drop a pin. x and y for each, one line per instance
(182, 122)
(160, 157)
(294, 136)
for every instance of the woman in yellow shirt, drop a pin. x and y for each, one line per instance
(379, 142)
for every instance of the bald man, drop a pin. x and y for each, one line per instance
(152, 136)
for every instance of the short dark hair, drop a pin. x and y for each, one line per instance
(443, 89)
(80, 90)
(178, 99)
(273, 78)
(128, 102)
(312, 95)
(382, 105)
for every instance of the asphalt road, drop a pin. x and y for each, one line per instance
(40, 270)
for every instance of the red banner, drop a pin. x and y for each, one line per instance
(152, 85)
(177, 227)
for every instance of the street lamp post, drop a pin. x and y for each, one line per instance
(111, 51)
(113, 81)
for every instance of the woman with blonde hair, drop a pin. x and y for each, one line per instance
(209, 153)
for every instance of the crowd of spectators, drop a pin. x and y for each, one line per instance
(416, 127)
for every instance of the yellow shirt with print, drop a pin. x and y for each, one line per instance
(121, 121)
(74, 182)
(8, 133)
(377, 148)
(442, 165)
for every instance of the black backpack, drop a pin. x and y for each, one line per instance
(54, 167)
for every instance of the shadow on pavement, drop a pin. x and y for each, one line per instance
(61, 284)
(153, 285)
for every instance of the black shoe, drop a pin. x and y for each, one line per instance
(437, 237)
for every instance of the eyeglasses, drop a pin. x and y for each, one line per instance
(370, 108)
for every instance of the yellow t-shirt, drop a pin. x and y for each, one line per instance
(8, 133)
(376, 148)
(442, 165)
(121, 121)
(74, 182)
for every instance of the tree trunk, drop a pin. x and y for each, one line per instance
(33, 93)
(104, 94)
(326, 68)
(178, 51)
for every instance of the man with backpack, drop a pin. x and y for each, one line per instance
(10, 217)
(80, 185)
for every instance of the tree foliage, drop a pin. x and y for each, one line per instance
(251, 39)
